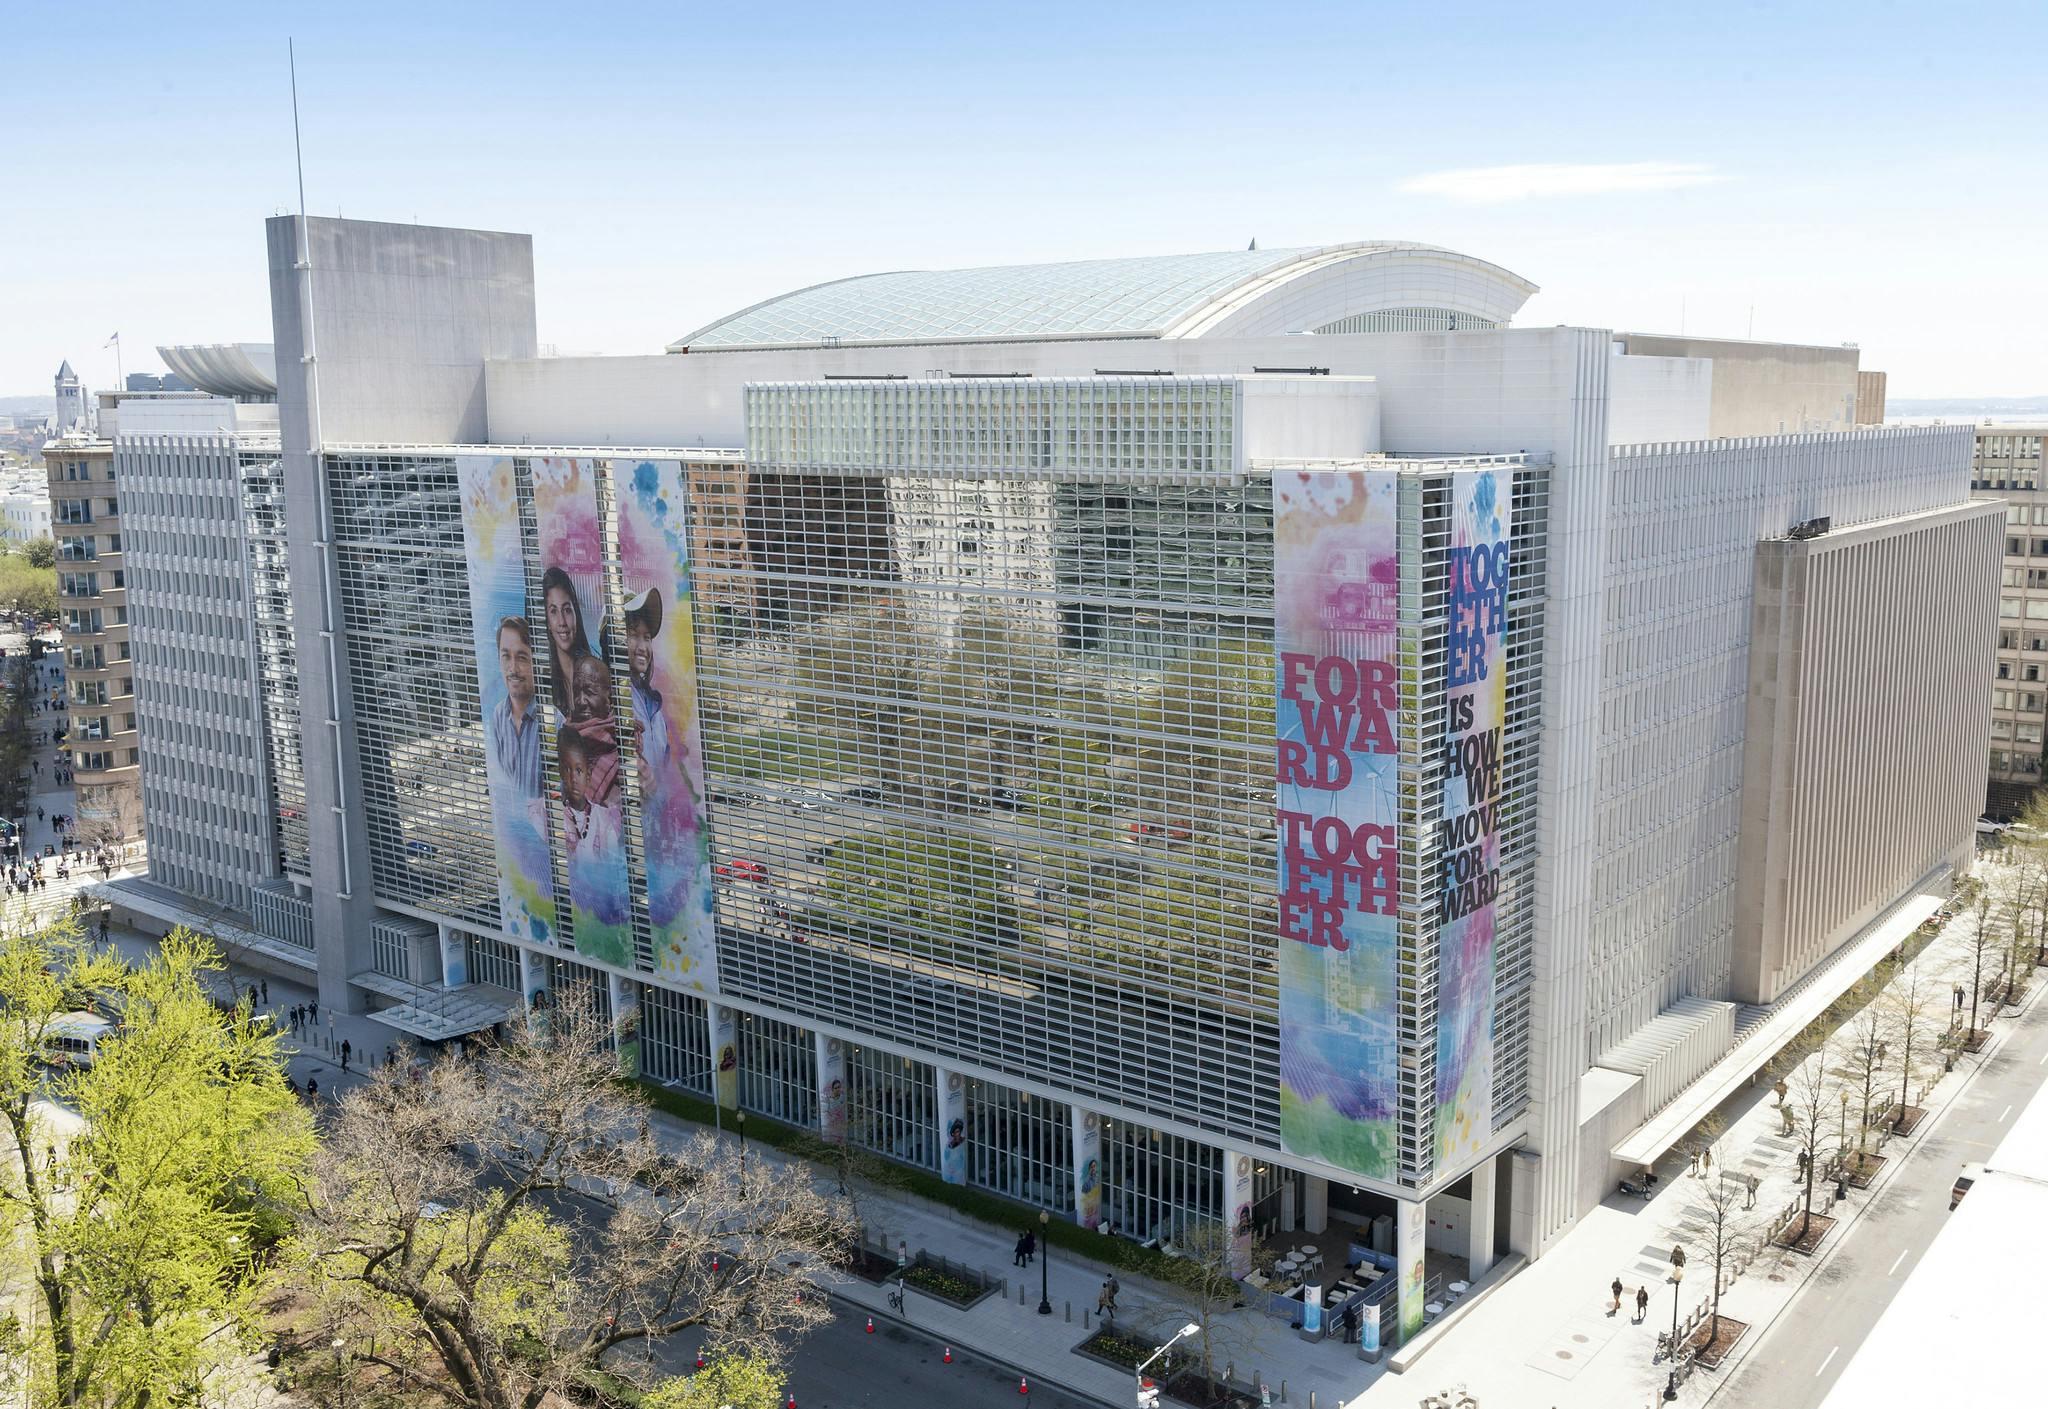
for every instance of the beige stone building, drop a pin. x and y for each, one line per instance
(92, 606)
(2009, 467)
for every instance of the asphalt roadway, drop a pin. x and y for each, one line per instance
(1803, 1352)
(841, 1366)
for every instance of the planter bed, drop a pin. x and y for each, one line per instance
(1816, 1226)
(1905, 1122)
(1861, 1169)
(1712, 1349)
(961, 1289)
(1125, 1350)
(1191, 1387)
(1976, 1040)
(871, 1266)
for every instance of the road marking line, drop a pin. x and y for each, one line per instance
(2044, 1060)
(1896, 1261)
(2003, 1114)
(1825, 1363)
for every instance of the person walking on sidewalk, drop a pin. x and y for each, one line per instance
(1642, 1304)
(1026, 1245)
(1694, 1168)
(344, 1054)
(1105, 1301)
(1616, 1289)
(1706, 1161)
(1749, 1186)
(265, 986)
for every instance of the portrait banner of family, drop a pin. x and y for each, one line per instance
(661, 664)
(581, 699)
(507, 686)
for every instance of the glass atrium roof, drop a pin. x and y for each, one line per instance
(1140, 297)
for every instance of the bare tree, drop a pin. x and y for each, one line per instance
(1867, 1049)
(495, 1232)
(1908, 1003)
(1204, 1273)
(1982, 936)
(1809, 1096)
(1730, 1231)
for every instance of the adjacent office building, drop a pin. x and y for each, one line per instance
(1250, 737)
(2009, 467)
(92, 605)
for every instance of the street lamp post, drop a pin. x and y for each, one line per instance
(1677, 1281)
(1180, 1335)
(1044, 1258)
(740, 1123)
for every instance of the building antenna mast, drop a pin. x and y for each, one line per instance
(305, 264)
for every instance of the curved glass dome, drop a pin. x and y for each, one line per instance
(1178, 295)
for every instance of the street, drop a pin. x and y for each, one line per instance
(841, 1366)
(1803, 1354)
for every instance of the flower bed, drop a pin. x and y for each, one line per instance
(1125, 1350)
(956, 1288)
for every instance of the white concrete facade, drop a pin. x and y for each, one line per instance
(1649, 560)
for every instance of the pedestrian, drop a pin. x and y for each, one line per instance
(1022, 1254)
(312, 1088)
(1616, 1289)
(313, 1010)
(1693, 1166)
(1707, 1160)
(1750, 1184)
(294, 1017)
(1803, 1157)
(344, 1054)
(1959, 998)
(266, 993)
(1114, 1287)
(1105, 1300)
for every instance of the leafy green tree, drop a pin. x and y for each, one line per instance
(490, 1234)
(730, 1382)
(40, 552)
(139, 1189)
(27, 589)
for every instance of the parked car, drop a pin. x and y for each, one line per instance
(741, 868)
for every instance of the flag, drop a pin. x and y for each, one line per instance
(111, 341)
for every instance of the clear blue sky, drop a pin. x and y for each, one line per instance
(1862, 172)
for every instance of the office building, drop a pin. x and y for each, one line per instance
(2008, 467)
(1250, 737)
(92, 607)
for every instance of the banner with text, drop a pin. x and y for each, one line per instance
(1468, 840)
(591, 791)
(1336, 593)
(505, 642)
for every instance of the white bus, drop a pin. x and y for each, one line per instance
(73, 1039)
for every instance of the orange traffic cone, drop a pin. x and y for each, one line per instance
(871, 1325)
(947, 1358)
(701, 1362)
(1023, 1385)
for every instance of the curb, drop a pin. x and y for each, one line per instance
(959, 1348)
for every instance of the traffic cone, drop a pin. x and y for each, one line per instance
(871, 1325)
(792, 1400)
(701, 1362)
(1023, 1385)
(947, 1358)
